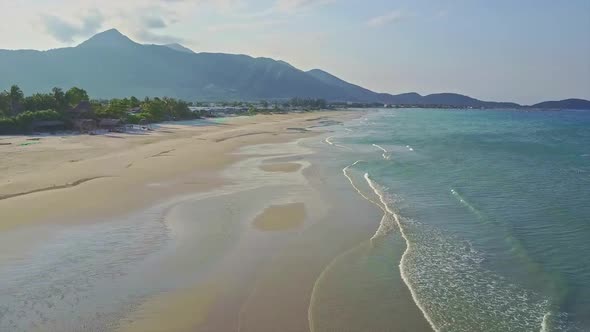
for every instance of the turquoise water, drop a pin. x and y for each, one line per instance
(494, 207)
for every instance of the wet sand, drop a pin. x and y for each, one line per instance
(262, 235)
(282, 167)
(179, 311)
(281, 217)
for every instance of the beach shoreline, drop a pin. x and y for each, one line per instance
(237, 241)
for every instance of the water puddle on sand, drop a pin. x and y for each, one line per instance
(78, 276)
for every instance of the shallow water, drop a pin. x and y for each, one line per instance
(495, 209)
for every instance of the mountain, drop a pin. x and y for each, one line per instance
(109, 39)
(110, 65)
(180, 48)
(359, 93)
(464, 101)
(570, 104)
(354, 92)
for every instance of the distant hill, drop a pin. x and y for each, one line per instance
(360, 93)
(110, 65)
(180, 48)
(571, 104)
(354, 92)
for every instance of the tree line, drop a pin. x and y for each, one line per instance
(305, 103)
(18, 112)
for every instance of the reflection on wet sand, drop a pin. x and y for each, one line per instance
(282, 167)
(281, 217)
(248, 255)
(178, 311)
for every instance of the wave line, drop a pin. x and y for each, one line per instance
(545, 322)
(328, 140)
(385, 152)
(404, 255)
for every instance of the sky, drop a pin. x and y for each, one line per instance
(524, 51)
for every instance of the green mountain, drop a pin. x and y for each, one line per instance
(569, 104)
(110, 65)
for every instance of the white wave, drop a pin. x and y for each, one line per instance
(345, 171)
(385, 154)
(468, 205)
(409, 148)
(328, 140)
(402, 264)
(545, 322)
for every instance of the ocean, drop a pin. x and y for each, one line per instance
(486, 219)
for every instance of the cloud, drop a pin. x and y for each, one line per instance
(388, 18)
(244, 25)
(153, 22)
(148, 36)
(66, 32)
(223, 5)
(296, 5)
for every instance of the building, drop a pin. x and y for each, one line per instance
(218, 111)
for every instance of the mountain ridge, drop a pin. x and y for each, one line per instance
(180, 48)
(571, 103)
(111, 65)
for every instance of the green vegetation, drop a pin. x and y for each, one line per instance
(19, 114)
(298, 104)
(312, 104)
(73, 109)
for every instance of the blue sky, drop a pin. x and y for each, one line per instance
(518, 50)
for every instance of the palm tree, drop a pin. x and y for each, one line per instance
(17, 98)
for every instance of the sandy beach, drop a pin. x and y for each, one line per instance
(227, 225)
(64, 179)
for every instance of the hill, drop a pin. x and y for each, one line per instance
(571, 104)
(111, 65)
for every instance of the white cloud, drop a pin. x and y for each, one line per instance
(387, 18)
(251, 25)
(147, 36)
(65, 31)
(154, 22)
(295, 5)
